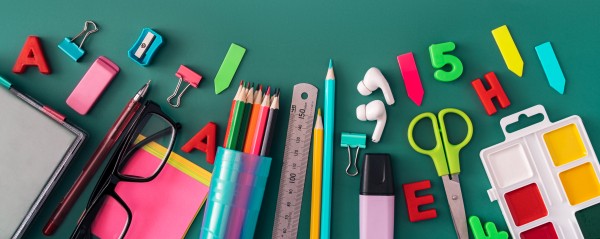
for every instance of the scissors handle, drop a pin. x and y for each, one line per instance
(436, 153)
(453, 150)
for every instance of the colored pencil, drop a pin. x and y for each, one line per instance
(258, 93)
(261, 123)
(317, 170)
(238, 214)
(258, 98)
(328, 152)
(236, 120)
(239, 91)
(245, 119)
(270, 126)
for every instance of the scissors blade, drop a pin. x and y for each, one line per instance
(457, 206)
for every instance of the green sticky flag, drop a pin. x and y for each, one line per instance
(229, 67)
(490, 232)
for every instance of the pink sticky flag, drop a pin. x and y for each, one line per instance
(412, 80)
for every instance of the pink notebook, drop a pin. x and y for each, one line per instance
(162, 208)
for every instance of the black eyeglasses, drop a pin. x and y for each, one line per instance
(150, 132)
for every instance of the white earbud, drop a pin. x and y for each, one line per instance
(372, 81)
(374, 110)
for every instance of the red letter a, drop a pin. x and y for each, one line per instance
(31, 55)
(209, 132)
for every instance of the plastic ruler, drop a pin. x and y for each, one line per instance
(295, 161)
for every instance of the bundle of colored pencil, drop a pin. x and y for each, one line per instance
(252, 120)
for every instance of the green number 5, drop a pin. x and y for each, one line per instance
(439, 59)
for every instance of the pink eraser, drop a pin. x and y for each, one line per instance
(91, 86)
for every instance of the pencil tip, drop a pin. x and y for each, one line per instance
(319, 121)
(330, 74)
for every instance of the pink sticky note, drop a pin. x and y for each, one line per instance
(412, 80)
(162, 208)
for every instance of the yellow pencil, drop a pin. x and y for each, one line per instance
(317, 171)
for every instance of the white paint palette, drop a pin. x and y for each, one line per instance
(542, 176)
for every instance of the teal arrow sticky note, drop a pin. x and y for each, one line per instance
(551, 67)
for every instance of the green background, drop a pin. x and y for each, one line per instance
(289, 42)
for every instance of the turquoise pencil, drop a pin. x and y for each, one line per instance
(328, 152)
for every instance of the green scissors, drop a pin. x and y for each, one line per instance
(446, 160)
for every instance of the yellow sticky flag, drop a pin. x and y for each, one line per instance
(509, 50)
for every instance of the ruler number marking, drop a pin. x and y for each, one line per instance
(295, 161)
